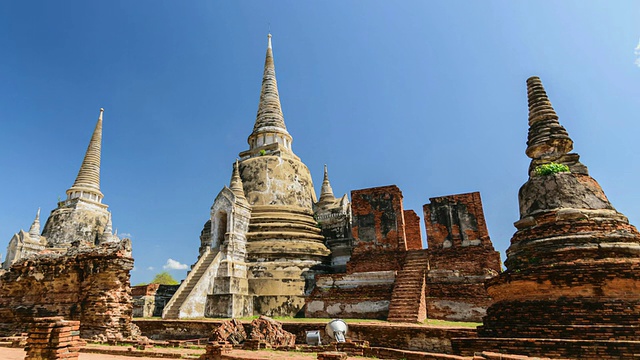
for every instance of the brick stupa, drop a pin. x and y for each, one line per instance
(573, 266)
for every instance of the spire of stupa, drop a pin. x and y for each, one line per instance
(107, 234)
(269, 126)
(326, 192)
(236, 182)
(34, 230)
(547, 138)
(88, 180)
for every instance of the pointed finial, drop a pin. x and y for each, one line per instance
(236, 181)
(34, 230)
(87, 184)
(326, 192)
(547, 138)
(269, 123)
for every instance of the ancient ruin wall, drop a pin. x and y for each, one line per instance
(461, 258)
(456, 220)
(412, 230)
(86, 284)
(378, 230)
(379, 249)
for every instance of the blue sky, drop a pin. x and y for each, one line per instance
(427, 95)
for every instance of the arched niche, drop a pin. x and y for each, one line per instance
(219, 229)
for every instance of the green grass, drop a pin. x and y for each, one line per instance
(429, 322)
(434, 322)
(551, 168)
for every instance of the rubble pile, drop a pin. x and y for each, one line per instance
(230, 331)
(270, 331)
(215, 350)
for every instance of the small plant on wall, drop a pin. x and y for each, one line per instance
(551, 168)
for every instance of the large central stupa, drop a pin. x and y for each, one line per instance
(262, 246)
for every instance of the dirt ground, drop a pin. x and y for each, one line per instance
(19, 354)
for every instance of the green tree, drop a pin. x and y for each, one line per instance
(164, 278)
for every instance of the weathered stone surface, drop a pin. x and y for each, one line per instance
(359, 295)
(270, 331)
(273, 180)
(561, 191)
(75, 220)
(22, 245)
(87, 284)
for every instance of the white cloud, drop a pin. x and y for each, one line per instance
(125, 236)
(151, 268)
(174, 265)
(637, 53)
(134, 269)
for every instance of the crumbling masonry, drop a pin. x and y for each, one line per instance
(77, 268)
(573, 267)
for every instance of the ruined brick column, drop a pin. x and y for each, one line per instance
(53, 338)
(378, 229)
(573, 267)
(89, 284)
(461, 258)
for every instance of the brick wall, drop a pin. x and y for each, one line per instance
(553, 348)
(461, 258)
(378, 219)
(456, 220)
(89, 284)
(412, 230)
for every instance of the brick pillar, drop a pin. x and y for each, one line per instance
(53, 338)
(412, 230)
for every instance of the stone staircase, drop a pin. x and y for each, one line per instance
(408, 300)
(172, 309)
